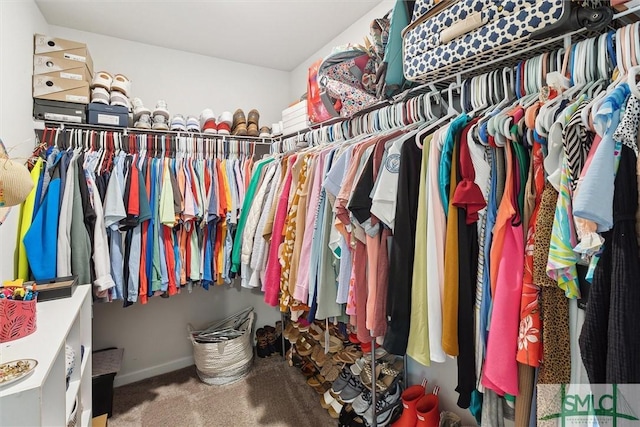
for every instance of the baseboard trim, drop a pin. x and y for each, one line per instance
(132, 377)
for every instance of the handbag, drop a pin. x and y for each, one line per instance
(447, 35)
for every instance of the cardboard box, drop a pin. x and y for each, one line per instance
(79, 74)
(79, 56)
(59, 111)
(45, 64)
(61, 48)
(99, 421)
(110, 115)
(44, 44)
(57, 89)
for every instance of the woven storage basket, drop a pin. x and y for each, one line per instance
(224, 362)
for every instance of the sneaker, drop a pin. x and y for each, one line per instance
(208, 121)
(121, 84)
(119, 99)
(139, 108)
(102, 79)
(385, 405)
(341, 382)
(143, 121)
(178, 123)
(225, 121)
(362, 402)
(193, 124)
(100, 95)
(265, 132)
(352, 390)
(161, 116)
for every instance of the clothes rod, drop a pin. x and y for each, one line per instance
(41, 125)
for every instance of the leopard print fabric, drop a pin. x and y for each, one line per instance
(556, 356)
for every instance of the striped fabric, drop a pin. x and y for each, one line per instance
(577, 143)
(561, 264)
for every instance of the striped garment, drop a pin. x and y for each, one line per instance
(561, 264)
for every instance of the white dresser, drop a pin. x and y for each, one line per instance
(43, 399)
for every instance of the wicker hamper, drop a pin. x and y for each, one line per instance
(227, 361)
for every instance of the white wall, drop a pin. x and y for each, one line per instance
(355, 34)
(154, 335)
(19, 20)
(188, 82)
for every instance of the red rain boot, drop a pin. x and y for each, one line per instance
(427, 411)
(409, 399)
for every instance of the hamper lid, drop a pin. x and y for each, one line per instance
(106, 362)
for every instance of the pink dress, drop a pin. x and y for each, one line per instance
(273, 270)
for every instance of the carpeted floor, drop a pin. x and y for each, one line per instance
(273, 394)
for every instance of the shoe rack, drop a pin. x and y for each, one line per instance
(298, 360)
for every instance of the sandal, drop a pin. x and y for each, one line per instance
(316, 380)
(333, 374)
(334, 409)
(323, 358)
(357, 367)
(316, 332)
(326, 368)
(309, 369)
(349, 355)
(294, 335)
(366, 376)
(287, 330)
(335, 344)
(323, 388)
(304, 347)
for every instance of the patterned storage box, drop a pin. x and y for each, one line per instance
(452, 33)
(17, 319)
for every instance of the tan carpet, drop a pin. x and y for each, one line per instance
(273, 394)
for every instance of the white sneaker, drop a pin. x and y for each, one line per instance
(121, 84)
(143, 121)
(119, 99)
(102, 79)
(139, 108)
(161, 110)
(193, 124)
(100, 95)
(225, 121)
(208, 121)
(160, 116)
(178, 123)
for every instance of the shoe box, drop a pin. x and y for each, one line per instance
(110, 115)
(62, 70)
(59, 111)
(60, 89)
(63, 49)
(295, 118)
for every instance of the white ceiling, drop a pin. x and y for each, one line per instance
(278, 34)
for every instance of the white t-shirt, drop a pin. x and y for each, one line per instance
(383, 204)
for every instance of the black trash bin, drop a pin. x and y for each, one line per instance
(106, 364)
